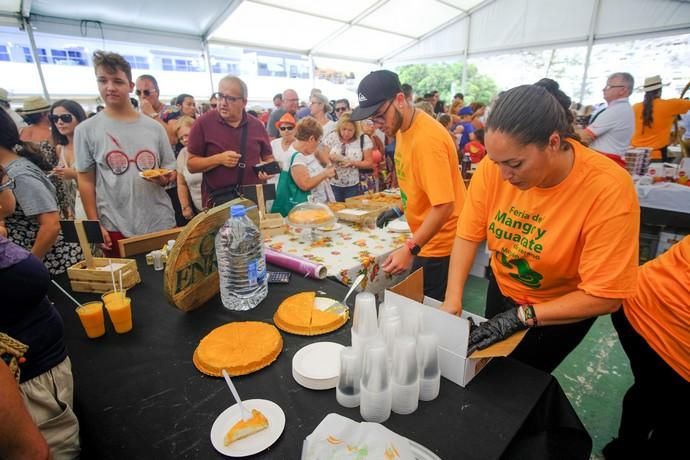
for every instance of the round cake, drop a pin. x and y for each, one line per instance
(311, 214)
(240, 348)
(298, 315)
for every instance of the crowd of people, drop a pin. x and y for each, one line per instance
(560, 218)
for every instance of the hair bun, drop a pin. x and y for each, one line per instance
(552, 87)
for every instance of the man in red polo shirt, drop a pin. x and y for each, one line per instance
(215, 145)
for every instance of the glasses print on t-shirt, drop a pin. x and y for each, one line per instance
(118, 161)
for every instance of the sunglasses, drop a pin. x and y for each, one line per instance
(226, 98)
(286, 128)
(146, 92)
(7, 185)
(213, 106)
(341, 109)
(65, 118)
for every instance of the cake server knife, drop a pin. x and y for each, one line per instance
(245, 413)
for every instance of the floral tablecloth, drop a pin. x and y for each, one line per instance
(346, 251)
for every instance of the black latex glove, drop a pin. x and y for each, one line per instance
(494, 330)
(386, 216)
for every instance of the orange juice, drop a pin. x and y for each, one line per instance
(112, 296)
(91, 316)
(120, 312)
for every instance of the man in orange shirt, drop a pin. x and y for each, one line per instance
(562, 223)
(426, 164)
(654, 117)
(654, 330)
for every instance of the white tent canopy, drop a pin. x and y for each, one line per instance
(374, 31)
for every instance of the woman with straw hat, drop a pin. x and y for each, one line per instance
(35, 113)
(654, 118)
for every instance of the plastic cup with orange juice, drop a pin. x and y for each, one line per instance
(119, 309)
(91, 317)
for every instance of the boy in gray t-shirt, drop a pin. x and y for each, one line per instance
(111, 150)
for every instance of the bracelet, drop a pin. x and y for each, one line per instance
(527, 315)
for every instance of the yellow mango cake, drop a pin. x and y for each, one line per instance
(240, 348)
(245, 428)
(298, 315)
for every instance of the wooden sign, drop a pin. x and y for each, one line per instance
(191, 273)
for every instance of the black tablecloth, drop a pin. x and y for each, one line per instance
(138, 395)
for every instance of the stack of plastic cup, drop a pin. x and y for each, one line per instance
(412, 323)
(347, 391)
(390, 328)
(429, 369)
(375, 387)
(387, 310)
(405, 377)
(364, 324)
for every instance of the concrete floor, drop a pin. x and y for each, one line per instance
(595, 375)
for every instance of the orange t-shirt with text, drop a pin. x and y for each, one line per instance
(426, 163)
(660, 310)
(547, 242)
(663, 113)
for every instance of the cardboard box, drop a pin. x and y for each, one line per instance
(452, 331)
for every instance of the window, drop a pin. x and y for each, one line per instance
(59, 56)
(232, 68)
(137, 62)
(4, 54)
(167, 64)
(77, 57)
(186, 65)
(43, 56)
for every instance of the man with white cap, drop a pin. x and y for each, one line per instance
(431, 189)
(611, 128)
(654, 118)
(5, 104)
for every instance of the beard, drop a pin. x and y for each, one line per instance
(397, 123)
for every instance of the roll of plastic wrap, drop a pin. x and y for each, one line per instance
(296, 264)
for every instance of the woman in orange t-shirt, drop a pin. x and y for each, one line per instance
(561, 222)
(654, 330)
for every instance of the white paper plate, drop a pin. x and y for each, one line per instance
(398, 226)
(317, 365)
(422, 453)
(254, 443)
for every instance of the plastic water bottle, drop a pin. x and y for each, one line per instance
(241, 262)
(466, 165)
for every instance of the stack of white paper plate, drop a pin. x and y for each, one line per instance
(316, 366)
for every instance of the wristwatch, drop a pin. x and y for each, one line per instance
(413, 247)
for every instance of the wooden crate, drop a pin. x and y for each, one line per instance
(84, 279)
(272, 225)
(357, 215)
(147, 242)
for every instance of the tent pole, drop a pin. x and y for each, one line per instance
(37, 59)
(467, 52)
(207, 52)
(590, 42)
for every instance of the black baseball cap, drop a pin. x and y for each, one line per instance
(375, 89)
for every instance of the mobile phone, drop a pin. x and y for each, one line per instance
(268, 168)
(279, 277)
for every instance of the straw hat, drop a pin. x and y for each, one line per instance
(35, 104)
(652, 83)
